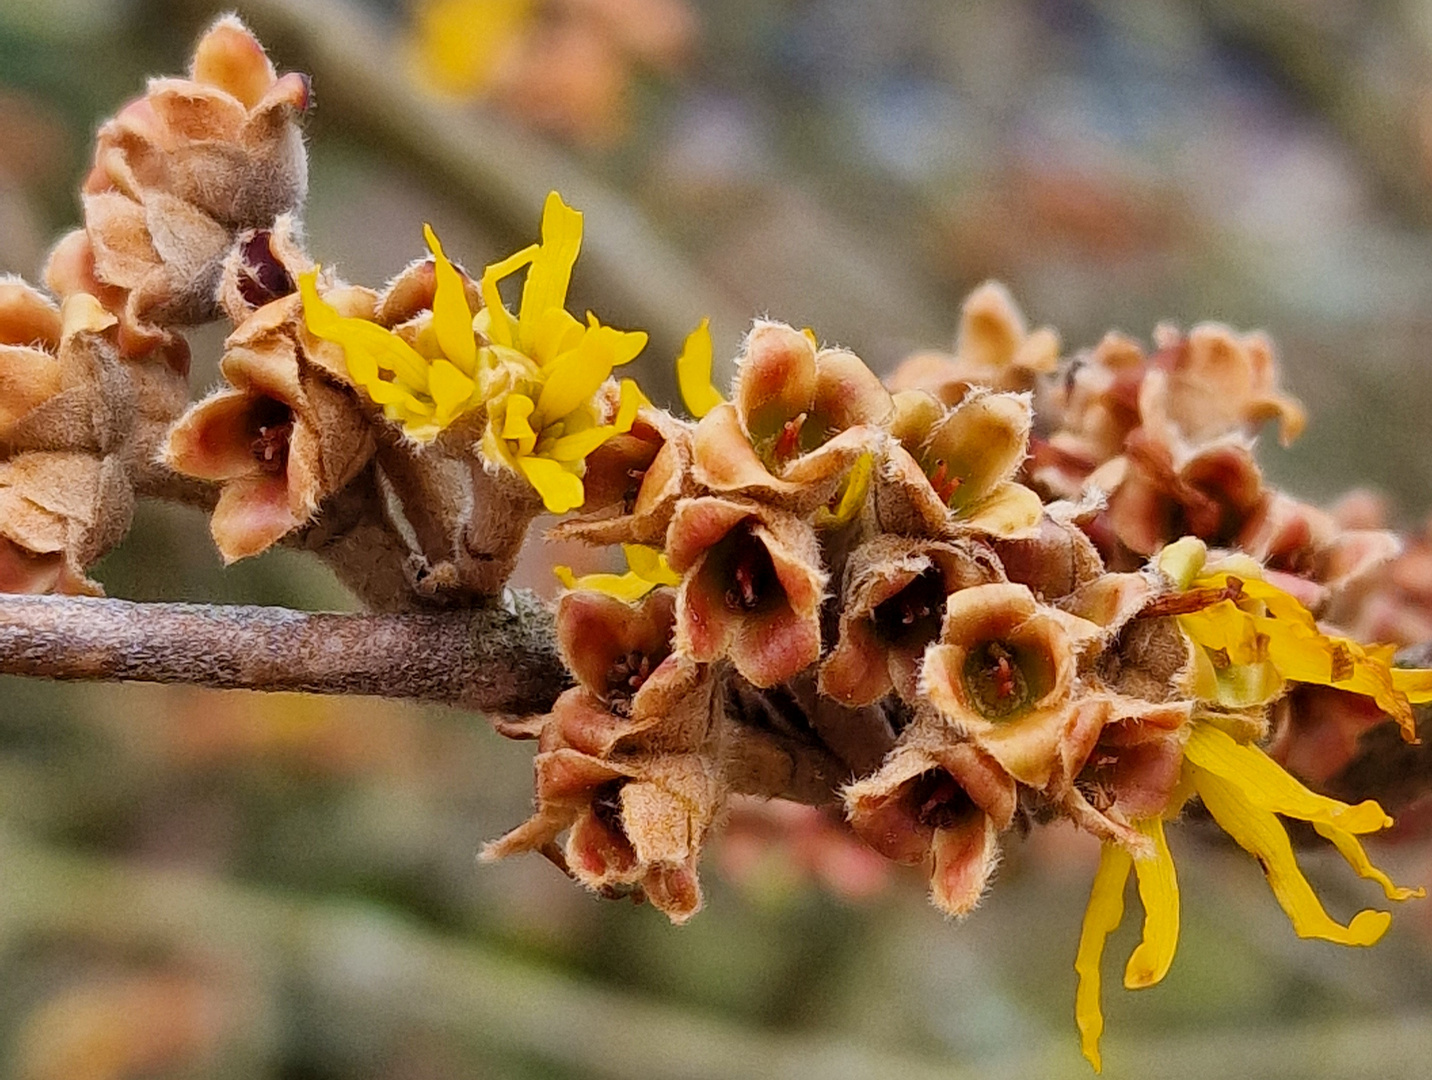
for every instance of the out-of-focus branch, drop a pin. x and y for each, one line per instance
(496, 660)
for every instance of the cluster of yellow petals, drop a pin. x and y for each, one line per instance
(536, 374)
(1263, 639)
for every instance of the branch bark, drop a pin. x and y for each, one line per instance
(497, 660)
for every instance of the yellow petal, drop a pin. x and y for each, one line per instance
(516, 424)
(367, 347)
(451, 390)
(1264, 783)
(551, 270)
(501, 326)
(1182, 560)
(1415, 683)
(1009, 510)
(577, 446)
(632, 399)
(576, 377)
(852, 496)
(1101, 918)
(1351, 850)
(557, 331)
(452, 318)
(650, 564)
(1158, 890)
(1261, 834)
(560, 490)
(628, 587)
(693, 372)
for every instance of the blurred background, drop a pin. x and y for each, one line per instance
(201, 884)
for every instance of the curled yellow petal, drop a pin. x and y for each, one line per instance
(1158, 891)
(561, 490)
(1415, 683)
(1264, 783)
(650, 564)
(517, 424)
(452, 317)
(632, 399)
(693, 372)
(577, 446)
(1352, 850)
(367, 347)
(1259, 832)
(628, 587)
(852, 495)
(451, 390)
(575, 378)
(1101, 918)
(501, 326)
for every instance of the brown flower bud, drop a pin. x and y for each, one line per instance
(937, 800)
(752, 587)
(284, 438)
(178, 174)
(994, 350)
(952, 470)
(800, 419)
(262, 266)
(892, 605)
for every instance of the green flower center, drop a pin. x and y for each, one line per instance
(1001, 679)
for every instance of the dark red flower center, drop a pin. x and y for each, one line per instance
(938, 800)
(943, 482)
(996, 679)
(912, 616)
(271, 428)
(607, 805)
(750, 574)
(625, 677)
(262, 278)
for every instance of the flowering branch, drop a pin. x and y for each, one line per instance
(496, 659)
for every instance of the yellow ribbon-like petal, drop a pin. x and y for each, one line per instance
(561, 490)
(576, 447)
(1351, 849)
(632, 399)
(452, 317)
(517, 424)
(650, 564)
(501, 326)
(367, 347)
(693, 372)
(1262, 782)
(451, 390)
(1101, 918)
(852, 495)
(1259, 832)
(1158, 891)
(551, 270)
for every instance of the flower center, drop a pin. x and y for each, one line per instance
(752, 574)
(939, 801)
(271, 427)
(996, 680)
(262, 278)
(625, 678)
(912, 616)
(788, 442)
(607, 805)
(945, 485)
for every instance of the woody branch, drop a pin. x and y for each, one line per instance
(497, 660)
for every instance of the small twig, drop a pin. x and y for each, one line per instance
(498, 660)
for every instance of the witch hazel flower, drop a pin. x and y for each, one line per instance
(751, 590)
(528, 383)
(801, 417)
(628, 761)
(892, 607)
(285, 435)
(950, 471)
(939, 801)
